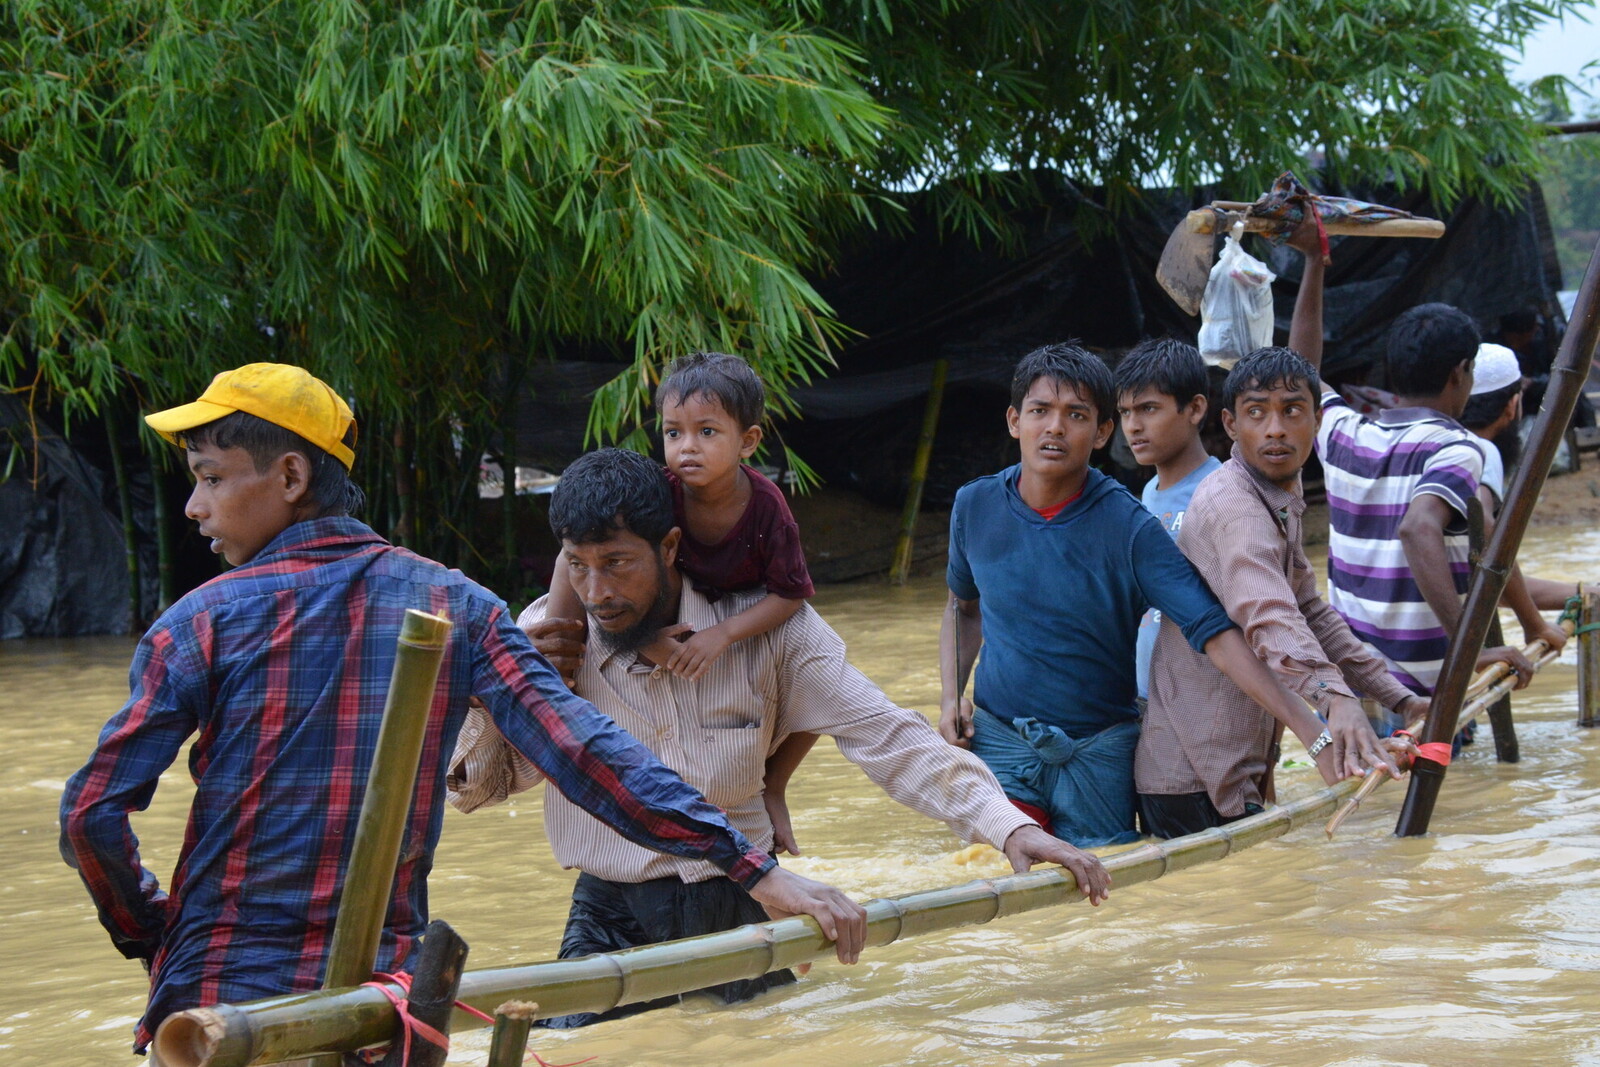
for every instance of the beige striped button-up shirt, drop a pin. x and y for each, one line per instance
(718, 732)
(1201, 732)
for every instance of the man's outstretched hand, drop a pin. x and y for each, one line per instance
(1028, 845)
(843, 921)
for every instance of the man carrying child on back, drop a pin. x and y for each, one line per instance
(738, 537)
(1052, 564)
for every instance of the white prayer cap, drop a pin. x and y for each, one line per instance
(1495, 368)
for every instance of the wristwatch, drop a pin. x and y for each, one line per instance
(1324, 739)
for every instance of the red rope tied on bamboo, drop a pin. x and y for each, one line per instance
(1437, 751)
(410, 1022)
(428, 1033)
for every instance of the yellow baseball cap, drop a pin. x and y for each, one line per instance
(282, 395)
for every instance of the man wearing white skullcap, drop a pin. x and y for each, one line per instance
(1494, 407)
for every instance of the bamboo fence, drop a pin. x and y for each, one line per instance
(299, 1025)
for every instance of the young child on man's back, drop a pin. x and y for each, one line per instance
(738, 533)
(1052, 564)
(1161, 398)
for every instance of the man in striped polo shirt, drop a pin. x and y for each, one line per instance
(1398, 484)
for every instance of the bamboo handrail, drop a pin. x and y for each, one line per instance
(1492, 683)
(290, 1027)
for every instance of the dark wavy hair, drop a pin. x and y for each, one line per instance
(1483, 408)
(1268, 367)
(726, 379)
(330, 487)
(1067, 363)
(1167, 365)
(1425, 345)
(608, 491)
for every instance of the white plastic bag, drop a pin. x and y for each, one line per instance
(1236, 312)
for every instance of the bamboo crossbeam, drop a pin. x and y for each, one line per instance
(290, 1027)
(1204, 220)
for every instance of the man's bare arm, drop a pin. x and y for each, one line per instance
(1305, 329)
(1422, 538)
(960, 635)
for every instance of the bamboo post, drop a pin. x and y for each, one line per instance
(433, 996)
(269, 1031)
(130, 524)
(166, 587)
(901, 567)
(513, 1021)
(1506, 747)
(1489, 576)
(1505, 732)
(1589, 659)
(369, 877)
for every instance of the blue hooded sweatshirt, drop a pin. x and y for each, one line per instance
(1061, 599)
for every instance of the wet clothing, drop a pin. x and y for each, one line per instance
(1061, 599)
(282, 667)
(1202, 733)
(612, 916)
(1060, 602)
(1373, 469)
(1083, 784)
(1180, 814)
(761, 551)
(718, 733)
(1168, 505)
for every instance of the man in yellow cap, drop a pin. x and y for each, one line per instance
(281, 665)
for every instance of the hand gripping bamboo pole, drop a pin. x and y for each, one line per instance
(369, 879)
(1489, 575)
(1492, 684)
(283, 1028)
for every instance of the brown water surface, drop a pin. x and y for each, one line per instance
(1480, 945)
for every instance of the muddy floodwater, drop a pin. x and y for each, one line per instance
(1479, 944)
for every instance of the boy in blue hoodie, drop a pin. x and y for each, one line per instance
(1052, 564)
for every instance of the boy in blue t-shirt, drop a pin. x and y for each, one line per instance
(1051, 566)
(1161, 398)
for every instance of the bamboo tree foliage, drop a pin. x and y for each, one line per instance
(1122, 94)
(408, 198)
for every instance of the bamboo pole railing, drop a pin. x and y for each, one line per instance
(1493, 684)
(299, 1025)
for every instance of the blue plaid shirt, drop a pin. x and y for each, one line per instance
(282, 667)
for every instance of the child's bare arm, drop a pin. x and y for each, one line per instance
(564, 602)
(781, 766)
(696, 655)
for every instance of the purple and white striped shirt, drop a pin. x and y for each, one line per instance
(1374, 467)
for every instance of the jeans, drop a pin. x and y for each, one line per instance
(1085, 783)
